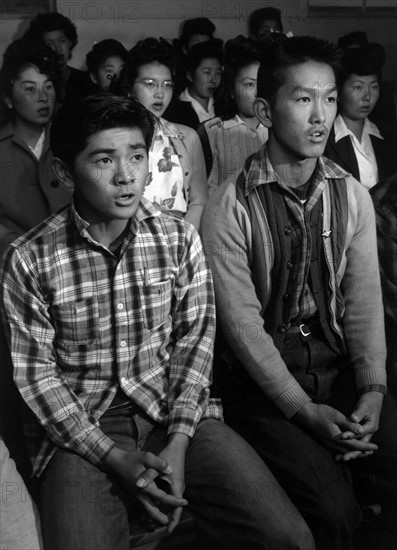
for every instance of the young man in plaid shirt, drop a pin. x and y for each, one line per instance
(110, 318)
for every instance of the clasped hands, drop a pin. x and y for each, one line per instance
(349, 437)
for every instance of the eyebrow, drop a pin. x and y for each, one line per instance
(359, 80)
(311, 90)
(33, 82)
(109, 151)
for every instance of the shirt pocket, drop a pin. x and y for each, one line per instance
(156, 303)
(77, 322)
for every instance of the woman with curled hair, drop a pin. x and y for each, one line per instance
(228, 140)
(177, 176)
(29, 191)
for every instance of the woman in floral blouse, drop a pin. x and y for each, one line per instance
(177, 175)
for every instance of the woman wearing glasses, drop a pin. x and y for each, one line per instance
(177, 174)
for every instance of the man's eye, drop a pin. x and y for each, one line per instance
(304, 99)
(138, 157)
(106, 161)
(357, 88)
(332, 99)
(30, 89)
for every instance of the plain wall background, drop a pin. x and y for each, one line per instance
(130, 21)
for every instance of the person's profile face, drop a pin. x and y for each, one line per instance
(154, 87)
(303, 112)
(244, 89)
(359, 96)
(206, 78)
(109, 175)
(32, 97)
(107, 71)
(60, 43)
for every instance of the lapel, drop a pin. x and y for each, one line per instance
(343, 154)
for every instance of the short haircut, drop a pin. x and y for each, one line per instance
(355, 39)
(149, 50)
(211, 49)
(53, 21)
(279, 56)
(199, 25)
(74, 124)
(102, 51)
(20, 55)
(364, 61)
(257, 17)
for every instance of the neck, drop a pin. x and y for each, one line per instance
(292, 173)
(28, 131)
(204, 101)
(65, 72)
(250, 121)
(355, 126)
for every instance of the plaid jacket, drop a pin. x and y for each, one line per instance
(82, 323)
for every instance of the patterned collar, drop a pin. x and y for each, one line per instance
(260, 171)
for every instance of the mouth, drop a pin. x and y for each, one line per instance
(44, 111)
(126, 199)
(158, 106)
(318, 135)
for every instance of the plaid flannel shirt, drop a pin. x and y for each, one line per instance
(82, 323)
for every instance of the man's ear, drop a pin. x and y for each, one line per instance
(262, 111)
(189, 76)
(62, 173)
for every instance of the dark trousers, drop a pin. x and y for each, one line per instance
(320, 487)
(233, 497)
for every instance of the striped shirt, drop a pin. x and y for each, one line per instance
(83, 323)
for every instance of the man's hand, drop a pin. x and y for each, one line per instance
(130, 467)
(174, 453)
(366, 413)
(338, 433)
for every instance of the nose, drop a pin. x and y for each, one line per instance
(125, 173)
(159, 91)
(318, 113)
(366, 94)
(42, 95)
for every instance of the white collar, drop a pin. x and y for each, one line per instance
(341, 130)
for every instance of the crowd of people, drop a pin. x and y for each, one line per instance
(198, 288)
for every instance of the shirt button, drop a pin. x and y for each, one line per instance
(54, 183)
(186, 173)
(120, 306)
(123, 380)
(287, 230)
(123, 344)
(282, 329)
(285, 297)
(289, 265)
(253, 134)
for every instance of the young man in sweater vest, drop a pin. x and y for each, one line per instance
(301, 346)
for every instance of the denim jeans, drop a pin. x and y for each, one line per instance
(233, 497)
(320, 488)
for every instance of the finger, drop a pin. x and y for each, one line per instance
(150, 461)
(157, 495)
(175, 519)
(349, 445)
(153, 511)
(347, 435)
(345, 424)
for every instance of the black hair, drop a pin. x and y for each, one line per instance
(239, 53)
(257, 17)
(20, 55)
(149, 50)
(53, 21)
(102, 51)
(279, 56)
(364, 61)
(73, 124)
(199, 25)
(355, 39)
(211, 49)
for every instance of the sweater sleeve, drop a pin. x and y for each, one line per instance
(363, 320)
(226, 235)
